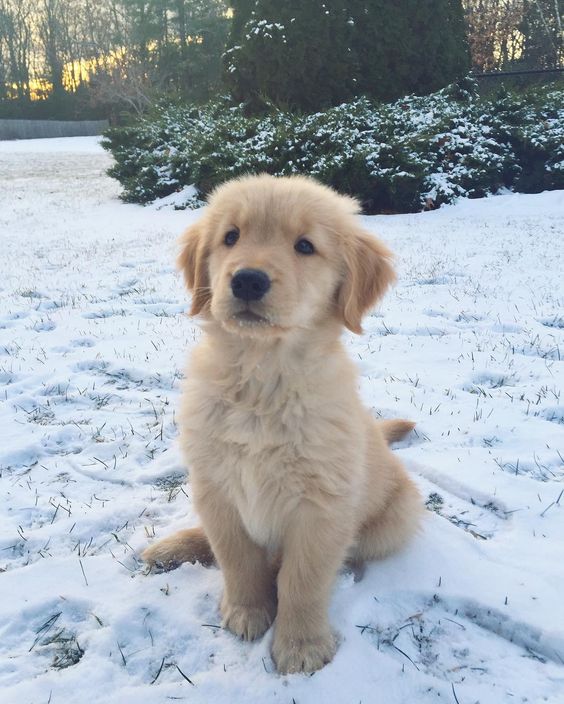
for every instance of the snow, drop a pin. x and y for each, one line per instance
(177, 200)
(92, 343)
(79, 145)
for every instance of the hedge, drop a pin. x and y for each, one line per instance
(417, 153)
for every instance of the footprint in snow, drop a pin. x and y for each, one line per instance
(104, 313)
(82, 342)
(553, 321)
(44, 326)
(489, 380)
(470, 645)
(554, 414)
(476, 513)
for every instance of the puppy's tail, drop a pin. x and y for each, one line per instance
(191, 545)
(395, 430)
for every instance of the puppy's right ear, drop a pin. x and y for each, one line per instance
(193, 261)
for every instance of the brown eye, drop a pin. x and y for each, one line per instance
(304, 246)
(231, 237)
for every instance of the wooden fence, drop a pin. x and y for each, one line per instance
(519, 80)
(34, 129)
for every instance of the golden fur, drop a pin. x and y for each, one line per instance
(291, 476)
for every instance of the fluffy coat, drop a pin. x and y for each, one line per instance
(291, 476)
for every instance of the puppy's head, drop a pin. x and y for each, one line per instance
(271, 255)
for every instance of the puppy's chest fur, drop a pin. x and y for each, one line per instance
(268, 436)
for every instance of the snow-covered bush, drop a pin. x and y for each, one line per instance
(416, 153)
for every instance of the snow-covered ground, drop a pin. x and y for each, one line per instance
(92, 343)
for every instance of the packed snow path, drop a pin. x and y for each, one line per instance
(92, 344)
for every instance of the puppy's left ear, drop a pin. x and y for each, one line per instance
(368, 274)
(193, 262)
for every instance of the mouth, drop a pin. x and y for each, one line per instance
(248, 317)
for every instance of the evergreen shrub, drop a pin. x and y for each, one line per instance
(417, 153)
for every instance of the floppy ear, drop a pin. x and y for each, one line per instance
(193, 261)
(368, 273)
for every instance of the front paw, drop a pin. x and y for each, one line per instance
(247, 622)
(302, 654)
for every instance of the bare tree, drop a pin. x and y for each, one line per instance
(542, 30)
(16, 46)
(503, 32)
(494, 32)
(123, 84)
(53, 48)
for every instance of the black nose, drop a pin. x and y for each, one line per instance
(250, 284)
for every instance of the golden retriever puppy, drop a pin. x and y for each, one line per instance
(291, 476)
